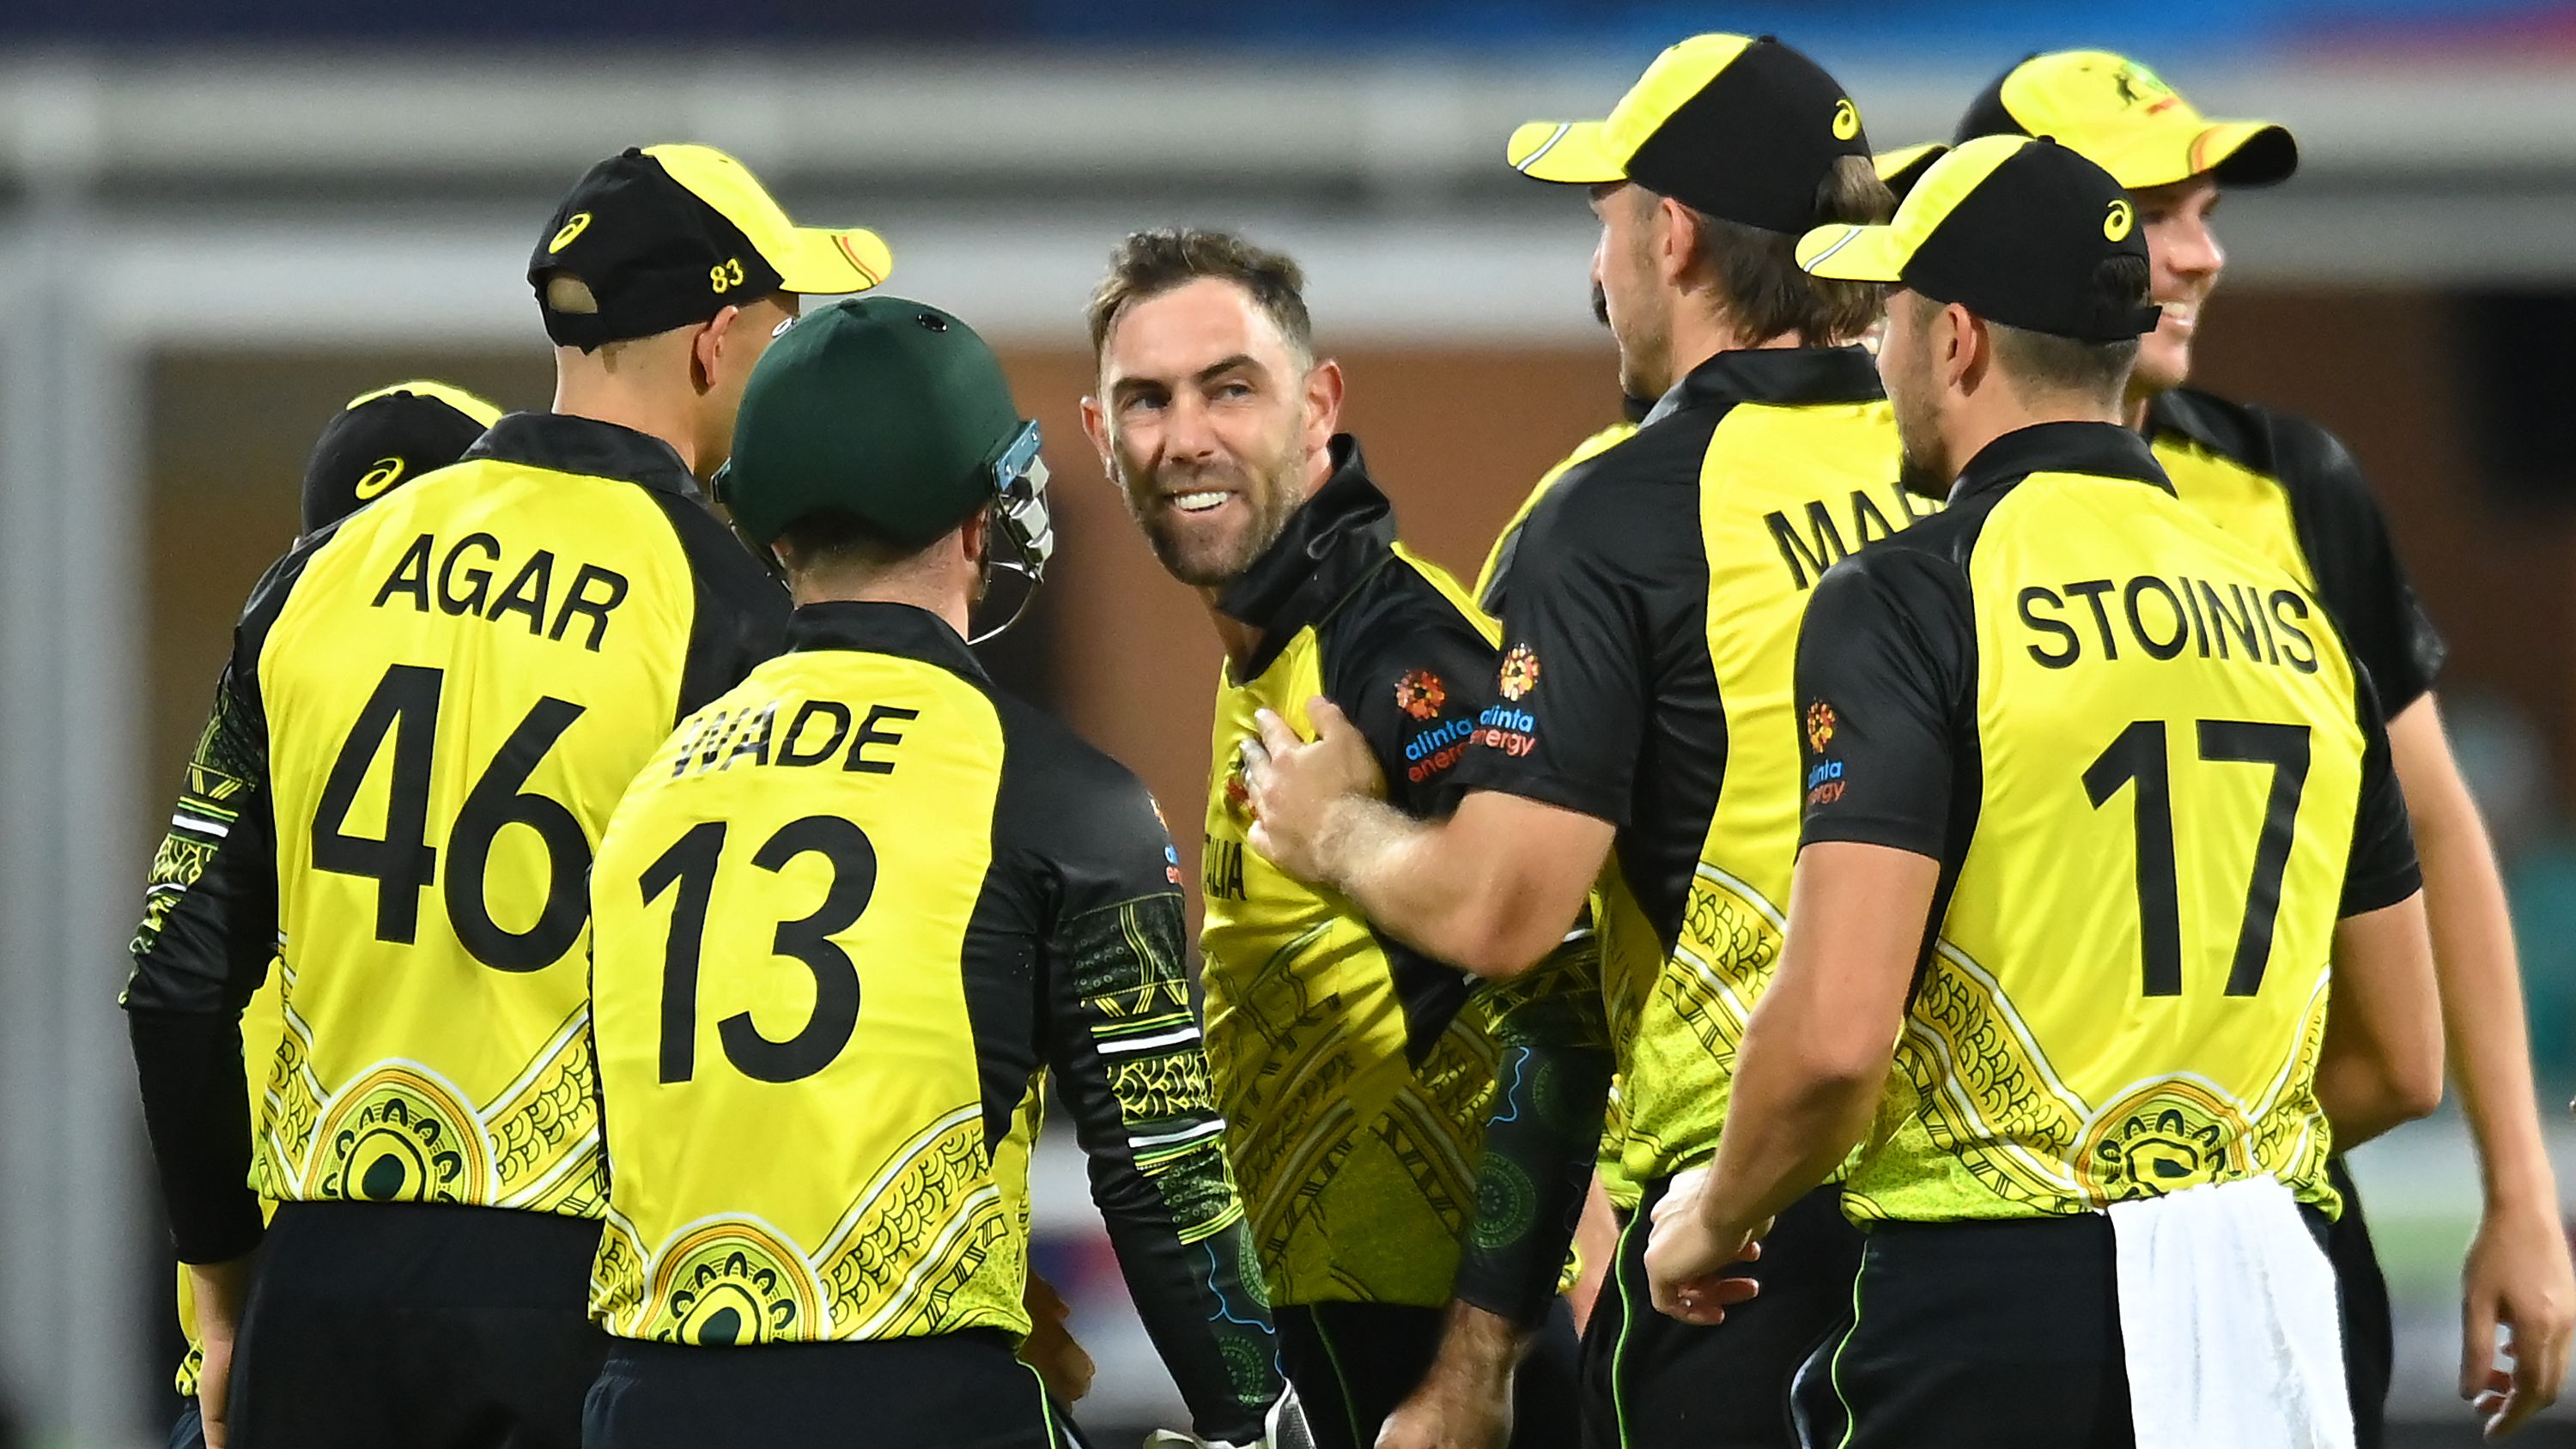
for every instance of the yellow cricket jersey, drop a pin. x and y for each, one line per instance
(429, 711)
(1649, 624)
(2290, 489)
(1354, 1073)
(2154, 782)
(843, 919)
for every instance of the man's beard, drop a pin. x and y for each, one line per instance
(1213, 564)
(1925, 469)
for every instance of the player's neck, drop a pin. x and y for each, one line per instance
(1241, 640)
(1700, 334)
(913, 590)
(1979, 421)
(610, 400)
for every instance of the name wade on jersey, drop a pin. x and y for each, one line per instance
(460, 583)
(814, 735)
(2162, 617)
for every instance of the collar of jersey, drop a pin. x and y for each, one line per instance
(883, 628)
(2181, 410)
(1790, 375)
(1339, 537)
(2097, 450)
(561, 443)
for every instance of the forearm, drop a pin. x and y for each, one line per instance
(2485, 1035)
(1478, 1352)
(1791, 1120)
(196, 1111)
(2359, 1100)
(1531, 1178)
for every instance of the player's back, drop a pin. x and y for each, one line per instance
(2148, 855)
(457, 683)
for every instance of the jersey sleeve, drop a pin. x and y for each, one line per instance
(1575, 677)
(741, 608)
(1542, 1134)
(1125, 1059)
(1885, 670)
(2359, 575)
(208, 932)
(2383, 869)
(1413, 675)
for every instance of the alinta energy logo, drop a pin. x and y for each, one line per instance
(1820, 725)
(1420, 694)
(1519, 674)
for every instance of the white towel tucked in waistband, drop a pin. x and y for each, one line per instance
(2228, 1309)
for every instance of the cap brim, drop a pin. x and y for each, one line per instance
(822, 261)
(1852, 253)
(1573, 153)
(2238, 153)
(1905, 165)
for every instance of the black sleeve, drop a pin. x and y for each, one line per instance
(2359, 576)
(2382, 870)
(1123, 1051)
(1886, 667)
(1413, 674)
(208, 932)
(1575, 681)
(1542, 1135)
(742, 608)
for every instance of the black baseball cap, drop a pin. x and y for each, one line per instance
(2125, 119)
(1744, 129)
(886, 409)
(2011, 228)
(388, 437)
(664, 236)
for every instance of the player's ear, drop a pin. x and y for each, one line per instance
(707, 349)
(1095, 426)
(1679, 230)
(1323, 403)
(1961, 347)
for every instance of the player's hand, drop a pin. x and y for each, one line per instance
(1298, 787)
(1687, 1255)
(1450, 1414)
(220, 1290)
(1060, 1361)
(2518, 1276)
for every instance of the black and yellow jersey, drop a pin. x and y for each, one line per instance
(842, 921)
(429, 710)
(2291, 489)
(1355, 1073)
(1649, 626)
(1493, 580)
(2154, 781)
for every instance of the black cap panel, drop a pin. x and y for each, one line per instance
(653, 255)
(2025, 246)
(1756, 144)
(377, 445)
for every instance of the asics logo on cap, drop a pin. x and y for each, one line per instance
(385, 474)
(573, 228)
(2116, 224)
(1846, 121)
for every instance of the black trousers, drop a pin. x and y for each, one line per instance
(2369, 1334)
(1651, 1381)
(1354, 1363)
(956, 1391)
(416, 1326)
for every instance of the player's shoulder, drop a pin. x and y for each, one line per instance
(1406, 603)
(2303, 455)
(1047, 765)
(1075, 821)
(1629, 491)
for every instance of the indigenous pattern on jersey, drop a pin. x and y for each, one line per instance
(843, 919)
(429, 711)
(2292, 490)
(1355, 1073)
(2154, 782)
(1648, 628)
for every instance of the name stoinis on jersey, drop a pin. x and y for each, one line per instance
(808, 732)
(2151, 617)
(458, 579)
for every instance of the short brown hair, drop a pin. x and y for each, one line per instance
(1758, 279)
(1149, 263)
(2069, 366)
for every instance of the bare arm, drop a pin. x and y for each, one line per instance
(1813, 1065)
(1491, 889)
(2382, 1063)
(2518, 1271)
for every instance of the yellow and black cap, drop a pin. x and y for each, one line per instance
(889, 411)
(1744, 129)
(2013, 229)
(2123, 117)
(385, 438)
(1905, 165)
(669, 235)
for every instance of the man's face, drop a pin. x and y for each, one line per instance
(2184, 261)
(1626, 294)
(1905, 369)
(744, 339)
(1209, 420)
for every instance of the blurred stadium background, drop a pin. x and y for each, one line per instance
(221, 218)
